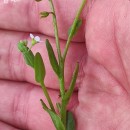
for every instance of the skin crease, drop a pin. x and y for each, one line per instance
(102, 101)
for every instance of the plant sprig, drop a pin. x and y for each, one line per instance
(64, 119)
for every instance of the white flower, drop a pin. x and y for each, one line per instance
(36, 39)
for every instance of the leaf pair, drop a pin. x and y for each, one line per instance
(39, 64)
(36, 61)
(40, 75)
(57, 120)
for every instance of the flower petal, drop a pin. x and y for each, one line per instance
(31, 35)
(37, 38)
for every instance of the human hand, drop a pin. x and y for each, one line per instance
(102, 100)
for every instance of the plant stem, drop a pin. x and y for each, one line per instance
(47, 96)
(55, 30)
(61, 64)
(61, 79)
(62, 59)
(73, 27)
(62, 90)
(63, 112)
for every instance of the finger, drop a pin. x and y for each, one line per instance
(24, 16)
(20, 105)
(13, 66)
(21, 108)
(4, 126)
(105, 86)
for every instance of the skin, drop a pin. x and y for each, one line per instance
(101, 100)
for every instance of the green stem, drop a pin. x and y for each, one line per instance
(56, 30)
(61, 79)
(61, 64)
(63, 112)
(62, 89)
(47, 96)
(62, 59)
(73, 27)
(72, 84)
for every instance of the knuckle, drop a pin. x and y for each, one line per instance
(15, 64)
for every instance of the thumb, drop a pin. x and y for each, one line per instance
(105, 85)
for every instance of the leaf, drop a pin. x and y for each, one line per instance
(22, 46)
(58, 106)
(29, 58)
(69, 31)
(28, 55)
(56, 120)
(73, 29)
(44, 105)
(39, 68)
(52, 57)
(70, 121)
(72, 83)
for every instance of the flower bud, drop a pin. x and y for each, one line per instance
(44, 14)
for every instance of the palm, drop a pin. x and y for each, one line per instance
(102, 101)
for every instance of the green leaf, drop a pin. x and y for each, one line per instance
(70, 121)
(58, 106)
(55, 118)
(29, 58)
(39, 68)
(22, 46)
(69, 31)
(72, 83)
(28, 55)
(52, 58)
(73, 29)
(44, 105)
